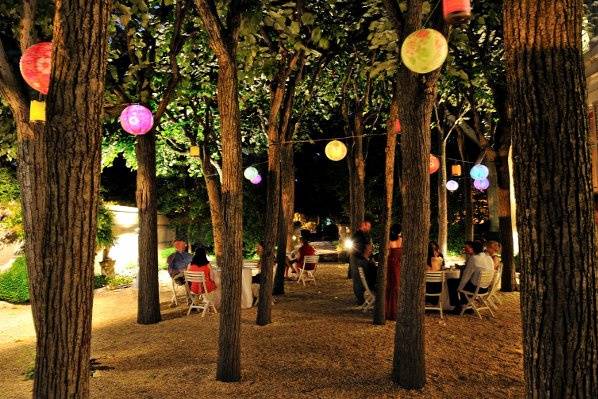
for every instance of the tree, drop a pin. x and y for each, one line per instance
(223, 39)
(61, 227)
(546, 95)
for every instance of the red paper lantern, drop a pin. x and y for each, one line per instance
(36, 64)
(456, 11)
(434, 164)
(397, 126)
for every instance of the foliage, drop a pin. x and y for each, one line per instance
(99, 281)
(163, 255)
(11, 218)
(14, 282)
(105, 236)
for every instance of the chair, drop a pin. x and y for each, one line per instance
(493, 293)
(174, 299)
(476, 300)
(198, 301)
(368, 296)
(435, 277)
(306, 273)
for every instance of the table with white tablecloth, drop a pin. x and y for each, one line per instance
(249, 270)
(451, 281)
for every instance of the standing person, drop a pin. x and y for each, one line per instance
(393, 271)
(360, 257)
(178, 261)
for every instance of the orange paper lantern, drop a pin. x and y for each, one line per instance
(434, 164)
(456, 11)
(456, 170)
(36, 64)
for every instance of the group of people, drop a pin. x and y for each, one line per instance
(477, 259)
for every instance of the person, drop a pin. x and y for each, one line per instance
(304, 250)
(468, 249)
(259, 251)
(435, 260)
(493, 251)
(200, 263)
(178, 262)
(360, 253)
(393, 271)
(476, 263)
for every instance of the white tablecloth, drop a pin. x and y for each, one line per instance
(249, 270)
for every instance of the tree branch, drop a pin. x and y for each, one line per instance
(27, 33)
(9, 87)
(394, 14)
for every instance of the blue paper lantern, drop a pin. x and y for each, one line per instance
(479, 172)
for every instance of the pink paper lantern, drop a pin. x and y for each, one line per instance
(256, 180)
(36, 65)
(481, 184)
(136, 119)
(434, 164)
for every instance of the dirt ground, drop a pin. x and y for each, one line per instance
(318, 346)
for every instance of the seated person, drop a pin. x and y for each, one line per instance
(493, 251)
(178, 262)
(470, 277)
(435, 260)
(259, 251)
(304, 250)
(200, 263)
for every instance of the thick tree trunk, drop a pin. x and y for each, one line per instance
(213, 188)
(493, 200)
(508, 282)
(546, 96)
(285, 220)
(442, 200)
(358, 175)
(389, 173)
(148, 294)
(469, 226)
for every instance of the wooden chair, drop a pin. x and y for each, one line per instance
(435, 277)
(368, 295)
(476, 300)
(493, 293)
(306, 273)
(198, 301)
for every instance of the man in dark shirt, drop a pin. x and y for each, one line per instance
(359, 257)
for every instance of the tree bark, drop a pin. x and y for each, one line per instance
(442, 200)
(469, 226)
(213, 188)
(546, 98)
(492, 194)
(287, 191)
(148, 294)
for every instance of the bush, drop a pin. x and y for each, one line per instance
(99, 281)
(14, 283)
(163, 255)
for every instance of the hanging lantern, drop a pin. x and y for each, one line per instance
(456, 11)
(194, 151)
(36, 65)
(481, 184)
(452, 185)
(136, 119)
(434, 164)
(456, 170)
(335, 150)
(479, 172)
(250, 173)
(37, 111)
(424, 50)
(397, 126)
(256, 180)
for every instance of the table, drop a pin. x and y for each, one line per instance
(249, 270)
(451, 283)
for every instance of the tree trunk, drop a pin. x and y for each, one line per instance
(213, 188)
(358, 181)
(285, 220)
(442, 200)
(493, 201)
(469, 226)
(148, 294)
(546, 96)
(389, 172)
(62, 277)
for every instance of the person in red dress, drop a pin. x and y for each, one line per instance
(393, 272)
(304, 250)
(200, 263)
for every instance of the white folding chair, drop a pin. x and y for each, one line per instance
(174, 299)
(198, 301)
(435, 277)
(368, 296)
(493, 297)
(306, 273)
(476, 300)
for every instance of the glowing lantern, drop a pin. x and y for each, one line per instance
(452, 185)
(36, 64)
(481, 184)
(37, 111)
(479, 172)
(136, 119)
(250, 173)
(194, 151)
(434, 164)
(397, 126)
(256, 180)
(335, 150)
(456, 11)
(456, 170)
(424, 50)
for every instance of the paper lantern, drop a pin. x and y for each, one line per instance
(37, 111)
(36, 65)
(335, 150)
(256, 180)
(481, 184)
(456, 170)
(456, 11)
(194, 151)
(434, 164)
(397, 126)
(250, 173)
(136, 119)
(424, 50)
(452, 185)
(479, 172)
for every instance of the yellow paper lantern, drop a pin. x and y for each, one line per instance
(194, 151)
(37, 111)
(456, 170)
(424, 50)
(336, 150)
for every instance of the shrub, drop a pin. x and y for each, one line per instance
(99, 281)
(14, 283)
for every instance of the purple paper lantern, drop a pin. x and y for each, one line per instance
(256, 180)
(136, 119)
(482, 184)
